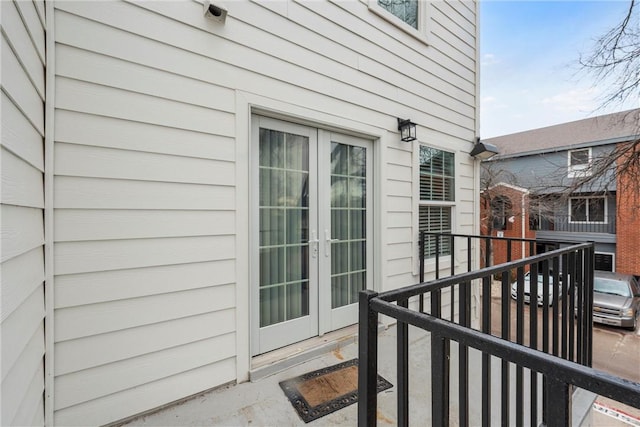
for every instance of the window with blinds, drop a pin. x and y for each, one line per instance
(437, 195)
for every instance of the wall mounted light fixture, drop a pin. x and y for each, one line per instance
(483, 150)
(216, 13)
(407, 130)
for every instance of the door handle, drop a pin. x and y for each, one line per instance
(328, 241)
(313, 244)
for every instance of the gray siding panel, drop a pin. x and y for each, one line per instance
(547, 172)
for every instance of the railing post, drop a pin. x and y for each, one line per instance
(520, 340)
(572, 305)
(452, 288)
(439, 381)
(581, 280)
(403, 369)
(464, 305)
(506, 335)
(422, 254)
(589, 305)
(486, 357)
(439, 366)
(367, 360)
(558, 403)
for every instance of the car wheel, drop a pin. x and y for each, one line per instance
(635, 322)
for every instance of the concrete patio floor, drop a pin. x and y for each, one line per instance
(263, 403)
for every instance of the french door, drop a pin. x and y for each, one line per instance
(311, 231)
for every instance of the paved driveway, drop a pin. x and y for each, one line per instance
(615, 350)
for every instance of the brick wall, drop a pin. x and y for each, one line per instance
(628, 223)
(513, 228)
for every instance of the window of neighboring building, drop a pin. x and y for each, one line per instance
(604, 261)
(501, 212)
(410, 16)
(437, 196)
(588, 209)
(579, 162)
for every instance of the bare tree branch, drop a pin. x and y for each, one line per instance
(615, 59)
(614, 62)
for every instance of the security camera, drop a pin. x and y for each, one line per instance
(214, 12)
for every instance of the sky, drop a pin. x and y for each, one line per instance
(529, 52)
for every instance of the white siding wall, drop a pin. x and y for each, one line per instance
(21, 213)
(147, 134)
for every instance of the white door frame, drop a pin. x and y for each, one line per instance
(321, 318)
(332, 319)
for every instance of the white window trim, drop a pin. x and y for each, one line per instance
(606, 210)
(430, 261)
(423, 18)
(574, 171)
(613, 259)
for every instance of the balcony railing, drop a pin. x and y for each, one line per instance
(565, 223)
(556, 355)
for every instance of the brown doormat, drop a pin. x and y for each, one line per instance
(318, 393)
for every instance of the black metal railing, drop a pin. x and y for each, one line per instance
(566, 223)
(556, 349)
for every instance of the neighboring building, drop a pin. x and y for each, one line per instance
(504, 213)
(544, 164)
(181, 194)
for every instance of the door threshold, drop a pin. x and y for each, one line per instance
(283, 358)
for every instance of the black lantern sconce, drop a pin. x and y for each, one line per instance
(407, 130)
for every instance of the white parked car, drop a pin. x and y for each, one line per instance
(541, 289)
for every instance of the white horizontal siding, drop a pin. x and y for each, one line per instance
(400, 189)
(19, 136)
(243, 56)
(100, 131)
(105, 70)
(92, 193)
(19, 279)
(94, 287)
(31, 409)
(18, 85)
(21, 182)
(98, 162)
(399, 45)
(18, 385)
(83, 257)
(110, 224)
(22, 352)
(21, 230)
(34, 22)
(20, 326)
(450, 37)
(87, 97)
(146, 169)
(100, 350)
(82, 321)
(100, 381)
(21, 226)
(18, 35)
(139, 399)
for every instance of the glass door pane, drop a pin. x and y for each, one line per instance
(284, 226)
(348, 223)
